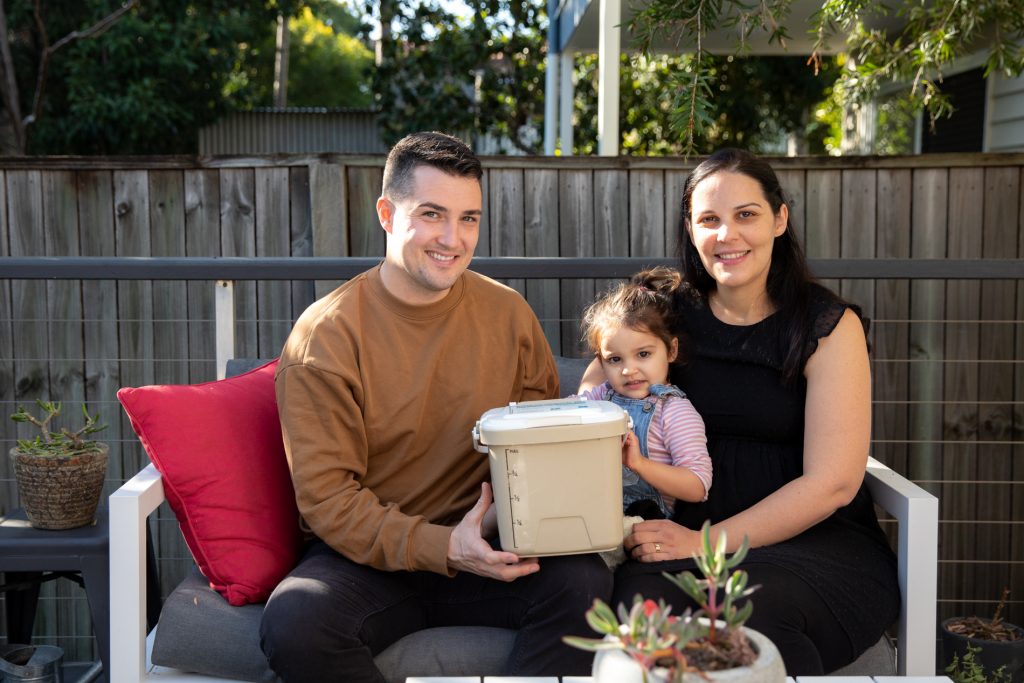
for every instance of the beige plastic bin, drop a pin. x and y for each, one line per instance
(556, 471)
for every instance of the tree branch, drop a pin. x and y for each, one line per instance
(97, 28)
(11, 100)
(48, 50)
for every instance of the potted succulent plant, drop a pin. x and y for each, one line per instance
(648, 644)
(979, 649)
(59, 473)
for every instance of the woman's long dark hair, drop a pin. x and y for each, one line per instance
(789, 278)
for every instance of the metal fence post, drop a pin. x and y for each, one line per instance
(224, 315)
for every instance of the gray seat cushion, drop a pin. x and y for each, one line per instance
(200, 632)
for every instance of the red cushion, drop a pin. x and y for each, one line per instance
(218, 446)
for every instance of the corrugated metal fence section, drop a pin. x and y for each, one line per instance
(294, 131)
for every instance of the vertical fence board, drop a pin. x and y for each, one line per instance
(857, 232)
(64, 297)
(202, 238)
(540, 200)
(576, 238)
(272, 239)
(992, 539)
(1016, 614)
(892, 304)
(333, 220)
(646, 213)
(824, 208)
(8, 489)
(24, 196)
(483, 245)
(30, 340)
(134, 303)
(170, 298)
(238, 238)
(795, 192)
(366, 237)
(508, 220)
(958, 501)
(168, 237)
(611, 219)
(674, 181)
(99, 306)
(928, 240)
(63, 601)
(301, 234)
(30, 347)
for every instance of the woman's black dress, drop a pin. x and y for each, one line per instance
(755, 428)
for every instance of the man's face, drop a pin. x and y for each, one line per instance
(431, 235)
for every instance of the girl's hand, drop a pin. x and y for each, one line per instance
(660, 539)
(631, 456)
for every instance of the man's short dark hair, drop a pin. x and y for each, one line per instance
(444, 152)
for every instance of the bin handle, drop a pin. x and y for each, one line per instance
(476, 440)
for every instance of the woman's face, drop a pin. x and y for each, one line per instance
(733, 228)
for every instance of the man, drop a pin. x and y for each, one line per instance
(378, 387)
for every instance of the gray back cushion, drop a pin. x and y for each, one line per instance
(570, 371)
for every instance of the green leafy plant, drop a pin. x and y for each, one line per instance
(708, 639)
(966, 670)
(65, 442)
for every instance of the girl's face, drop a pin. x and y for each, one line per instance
(633, 360)
(733, 228)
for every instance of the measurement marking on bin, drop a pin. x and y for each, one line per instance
(512, 497)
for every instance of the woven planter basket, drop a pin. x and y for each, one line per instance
(60, 492)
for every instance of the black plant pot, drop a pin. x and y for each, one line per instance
(993, 654)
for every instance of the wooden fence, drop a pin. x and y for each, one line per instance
(948, 355)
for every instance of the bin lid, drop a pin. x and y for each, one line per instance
(566, 419)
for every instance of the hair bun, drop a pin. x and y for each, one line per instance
(660, 279)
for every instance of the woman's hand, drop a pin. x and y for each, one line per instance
(660, 539)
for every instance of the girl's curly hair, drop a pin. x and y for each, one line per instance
(644, 303)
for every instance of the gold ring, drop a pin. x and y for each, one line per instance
(657, 547)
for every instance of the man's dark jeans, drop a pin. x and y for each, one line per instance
(330, 616)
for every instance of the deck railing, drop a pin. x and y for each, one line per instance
(947, 357)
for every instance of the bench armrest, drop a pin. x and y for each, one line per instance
(130, 506)
(917, 513)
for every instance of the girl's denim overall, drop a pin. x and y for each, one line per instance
(642, 410)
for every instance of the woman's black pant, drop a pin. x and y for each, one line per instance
(787, 610)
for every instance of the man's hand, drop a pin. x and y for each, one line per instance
(469, 552)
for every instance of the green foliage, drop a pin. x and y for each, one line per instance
(144, 86)
(932, 36)
(716, 568)
(327, 65)
(757, 101)
(968, 670)
(688, 22)
(482, 73)
(653, 636)
(64, 442)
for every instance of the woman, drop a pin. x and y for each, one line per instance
(778, 369)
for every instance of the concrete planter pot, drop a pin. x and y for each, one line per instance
(62, 491)
(615, 666)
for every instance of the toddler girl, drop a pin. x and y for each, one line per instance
(665, 458)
